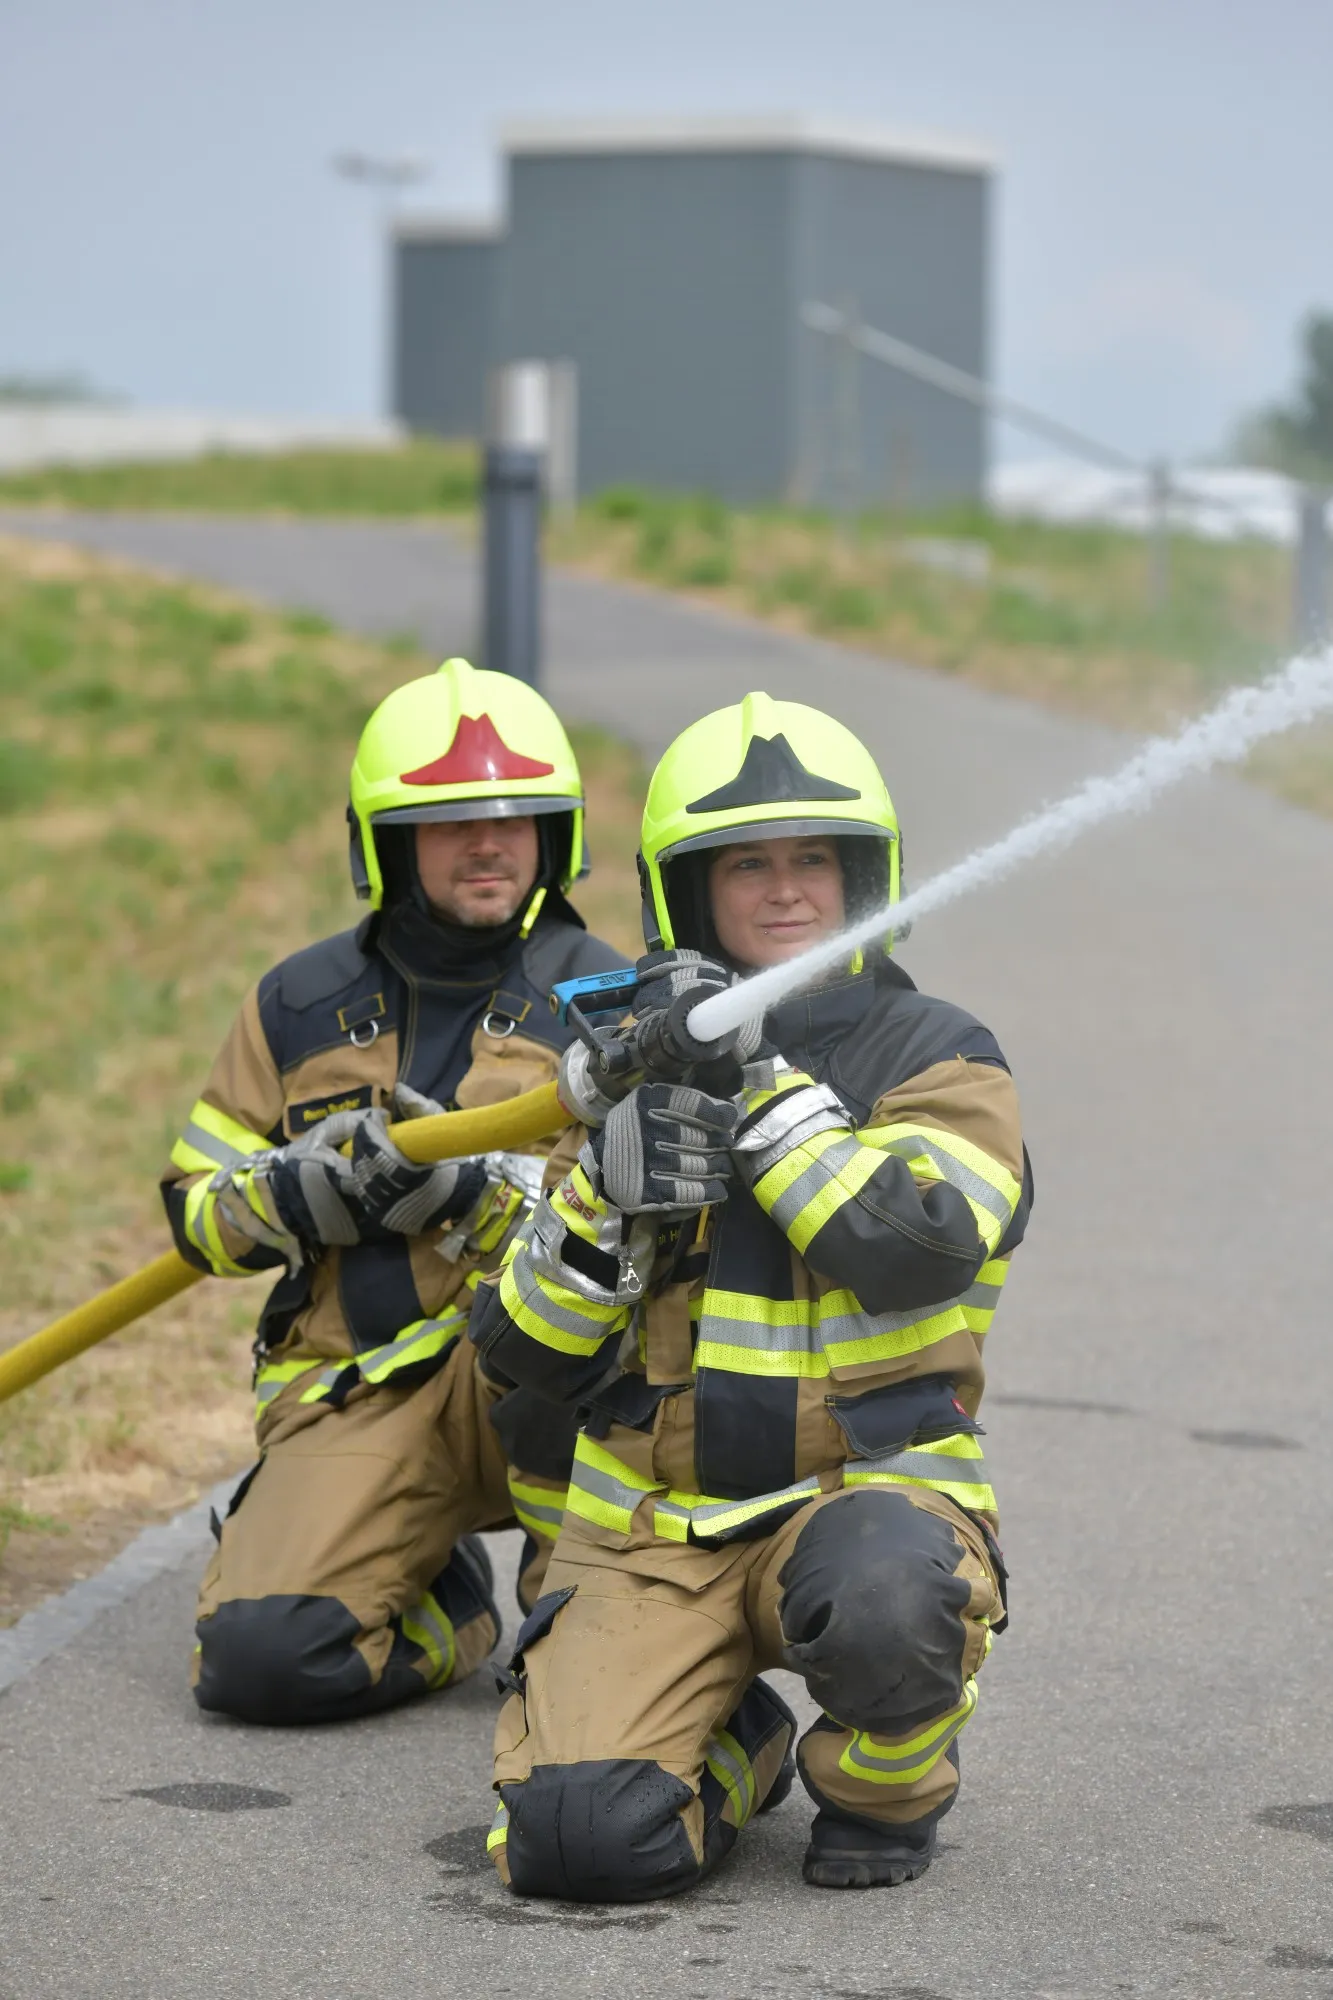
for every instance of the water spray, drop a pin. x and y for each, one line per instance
(1295, 694)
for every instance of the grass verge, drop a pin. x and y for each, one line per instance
(173, 767)
(1061, 615)
(425, 476)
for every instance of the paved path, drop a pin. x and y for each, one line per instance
(1148, 1788)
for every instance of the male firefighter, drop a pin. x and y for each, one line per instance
(768, 1287)
(346, 1578)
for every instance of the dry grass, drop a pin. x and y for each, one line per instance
(172, 773)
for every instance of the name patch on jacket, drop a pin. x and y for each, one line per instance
(316, 1109)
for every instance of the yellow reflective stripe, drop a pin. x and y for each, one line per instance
(327, 1379)
(417, 1342)
(797, 1363)
(734, 1772)
(891, 1344)
(428, 1626)
(803, 1190)
(420, 1341)
(552, 1315)
(604, 1490)
(990, 1189)
(760, 1099)
(273, 1378)
(953, 1465)
(748, 1334)
(201, 1227)
(722, 1517)
(191, 1160)
(539, 1509)
(879, 1760)
(505, 1204)
(499, 1833)
(601, 1489)
(751, 1335)
(222, 1140)
(978, 1303)
(571, 1198)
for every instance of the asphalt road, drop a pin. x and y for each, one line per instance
(1147, 1804)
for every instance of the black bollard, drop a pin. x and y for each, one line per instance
(1310, 608)
(511, 636)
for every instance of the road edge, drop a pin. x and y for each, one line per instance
(51, 1626)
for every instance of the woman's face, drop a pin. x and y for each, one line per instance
(774, 898)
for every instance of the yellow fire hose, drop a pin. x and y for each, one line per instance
(494, 1128)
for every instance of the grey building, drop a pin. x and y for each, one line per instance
(443, 324)
(670, 262)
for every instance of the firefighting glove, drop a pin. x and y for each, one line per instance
(666, 1148)
(324, 1197)
(657, 1043)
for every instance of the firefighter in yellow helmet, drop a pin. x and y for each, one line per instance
(347, 1576)
(804, 1237)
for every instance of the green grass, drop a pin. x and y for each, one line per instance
(1064, 613)
(174, 768)
(426, 476)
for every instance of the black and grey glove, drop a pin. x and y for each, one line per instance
(656, 1044)
(665, 1148)
(322, 1196)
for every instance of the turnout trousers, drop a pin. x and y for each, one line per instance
(342, 1583)
(636, 1740)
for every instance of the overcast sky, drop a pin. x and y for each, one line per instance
(169, 223)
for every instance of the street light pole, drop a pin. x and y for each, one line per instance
(384, 174)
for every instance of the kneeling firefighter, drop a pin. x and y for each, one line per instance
(766, 1281)
(346, 1576)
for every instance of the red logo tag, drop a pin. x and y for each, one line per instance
(477, 755)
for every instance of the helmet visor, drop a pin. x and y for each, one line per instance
(775, 829)
(512, 808)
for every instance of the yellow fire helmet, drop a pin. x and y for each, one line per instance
(758, 771)
(462, 744)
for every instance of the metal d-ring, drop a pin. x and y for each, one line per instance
(503, 1032)
(372, 1035)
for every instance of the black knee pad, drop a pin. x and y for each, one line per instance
(871, 1611)
(284, 1660)
(603, 1832)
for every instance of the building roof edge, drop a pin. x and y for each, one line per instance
(780, 132)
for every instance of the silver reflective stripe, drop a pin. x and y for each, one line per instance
(212, 1147)
(534, 1296)
(605, 1486)
(910, 1758)
(376, 1360)
(431, 1620)
(756, 1337)
(984, 1193)
(924, 1465)
(804, 1110)
(741, 1775)
(529, 1509)
(838, 1328)
(813, 1180)
(718, 1512)
(982, 1298)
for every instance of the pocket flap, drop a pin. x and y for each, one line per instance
(920, 1411)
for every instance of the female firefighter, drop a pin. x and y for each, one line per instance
(766, 1282)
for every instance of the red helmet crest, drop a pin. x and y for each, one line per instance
(478, 755)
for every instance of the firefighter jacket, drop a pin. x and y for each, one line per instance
(332, 1029)
(823, 1327)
